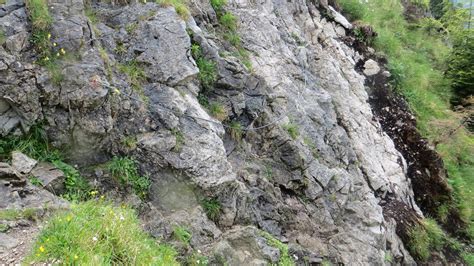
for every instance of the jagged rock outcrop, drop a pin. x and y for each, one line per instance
(321, 190)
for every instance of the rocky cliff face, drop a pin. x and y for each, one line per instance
(313, 166)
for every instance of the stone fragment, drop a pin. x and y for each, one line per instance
(22, 163)
(51, 178)
(371, 67)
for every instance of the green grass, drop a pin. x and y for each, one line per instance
(426, 237)
(77, 187)
(212, 208)
(207, 72)
(292, 129)
(179, 138)
(125, 170)
(98, 233)
(39, 14)
(228, 21)
(182, 234)
(235, 130)
(35, 181)
(417, 62)
(218, 111)
(285, 259)
(91, 15)
(180, 6)
(17, 214)
(218, 5)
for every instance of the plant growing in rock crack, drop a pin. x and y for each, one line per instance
(207, 69)
(235, 131)
(120, 49)
(179, 5)
(35, 181)
(182, 234)
(125, 170)
(130, 142)
(218, 5)
(197, 259)
(212, 208)
(136, 76)
(91, 15)
(77, 187)
(292, 129)
(285, 258)
(424, 238)
(218, 111)
(179, 139)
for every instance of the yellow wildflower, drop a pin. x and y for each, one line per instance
(55, 44)
(102, 197)
(116, 91)
(46, 58)
(62, 51)
(49, 36)
(69, 218)
(41, 249)
(58, 54)
(76, 257)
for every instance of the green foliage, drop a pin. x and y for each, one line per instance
(182, 234)
(461, 65)
(120, 49)
(130, 142)
(125, 170)
(388, 257)
(292, 129)
(135, 73)
(2, 37)
(268, 172)
(39, 14)
(218, 5)
(196, 259)
(91, 15)
(218, 111)
(77, 187)
(4, 228)
(233, 38)
(207, 72)
(212, 208)
(98, 233)
(228, 21)
(353, 9)
(285, 259)
(131, 27)
(179, 138)
(417, 61)
(235, 130)
(179, 5)
(34, 144)
(35, 181)
(426, 237)
(17, 214)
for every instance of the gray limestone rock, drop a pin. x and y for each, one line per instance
(22, 163)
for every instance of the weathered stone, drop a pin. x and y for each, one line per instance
(51, 178)
(22, 163)
(371, 67)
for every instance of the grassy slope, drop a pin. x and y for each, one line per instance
(416, 60)
(97, 233)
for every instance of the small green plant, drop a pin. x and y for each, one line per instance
(218, 5)
(2, 37)
(292, 129)
(233, 38)
(39, 14)
(285, 259)
(125, 170)
(4, 228)
(212, 208)
(98, 233)
(196, 259)
(77, 187)
(218, 111)
(425, 237)
(130, 142)
(179, 5)
(131, 27)
(388, 257)
(182, 234)
(207, 72)
(35, 181)
(228, 21)
(120, 49)
(91, 15)
(268, 172)
(179, 138)
(17, 214)
(203, 100)
(135, 73)
(235, 131)
(196, 51)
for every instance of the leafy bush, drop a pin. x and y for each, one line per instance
(98, 233)
(212, 208)
(125, 170)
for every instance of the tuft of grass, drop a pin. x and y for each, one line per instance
(136, 76)
(77, 187)
(425, 237)
(292, 129)
(2, 37)
(98, 233)
(180, 6)
(35, 181)
(179, 138)
(120, 49)
(131, 27)
(218, 111)
(228, 21)
(39, 14)
(34, 144)
(125, 170)
(233, 38)
(207, 72)
(235, 131)
(218, 5)
(285, 259)
(182, 234)
(91, 15)
(212, 208)
(17, 214)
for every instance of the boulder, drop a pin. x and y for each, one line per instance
(22, 163)
(52, 179)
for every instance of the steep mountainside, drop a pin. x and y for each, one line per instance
(267, 116)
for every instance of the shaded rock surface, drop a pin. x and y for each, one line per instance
(319, 190)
